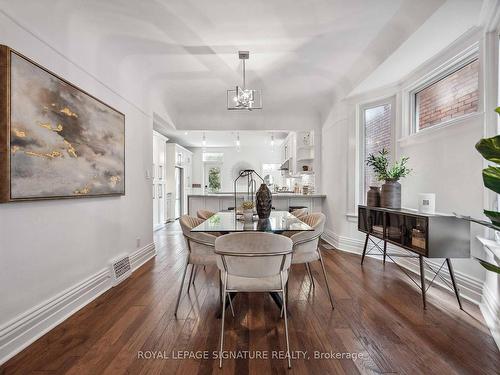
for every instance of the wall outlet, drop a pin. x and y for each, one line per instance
(148, 174)
(138, 242)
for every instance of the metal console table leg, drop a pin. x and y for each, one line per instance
(422, 279)
(364, 248)
(452, 277)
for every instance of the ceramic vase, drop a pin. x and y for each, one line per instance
(373, 197)
(391, 195)
(264, 202)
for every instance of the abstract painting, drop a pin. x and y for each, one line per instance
(63, 142)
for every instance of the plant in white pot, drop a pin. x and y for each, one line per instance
(391, 189)
(247, 207)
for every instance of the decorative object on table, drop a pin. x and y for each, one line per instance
(247, 207)
(427, 203)
(306, 139)
(390, 196)
(242, 97)
(264, 202)
(305, 189)
(214, 179)
(373, 197)
(264, 225)
(56, 140)
(248, 176)
(489, 148)
(418, 237)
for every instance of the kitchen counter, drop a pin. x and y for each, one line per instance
(281, 201)
(278, 195)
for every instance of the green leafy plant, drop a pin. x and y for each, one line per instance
(489, 148)
(214, 179)
(380, 164)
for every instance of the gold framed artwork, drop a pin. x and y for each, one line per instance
(56, 140)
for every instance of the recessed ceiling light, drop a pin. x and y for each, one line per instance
(185, 133)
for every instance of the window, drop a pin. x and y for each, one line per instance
(214, 157)
(452, 96)
(212, 170)
(376, 130)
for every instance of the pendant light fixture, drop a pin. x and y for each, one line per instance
(242, 97)
(238, 142)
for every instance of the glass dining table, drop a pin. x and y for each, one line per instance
(278, 222)
(228, 222)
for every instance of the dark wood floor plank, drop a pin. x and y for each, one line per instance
(378, 313)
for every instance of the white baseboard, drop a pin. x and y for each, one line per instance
(470, 287)
(34, 323)
(490, 308)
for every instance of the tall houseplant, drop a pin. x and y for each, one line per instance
(391, 189)
(489, 148)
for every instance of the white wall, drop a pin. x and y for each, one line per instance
(255, 156)
(47, 247)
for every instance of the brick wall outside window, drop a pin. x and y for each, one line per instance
(377, 136)
(453, 96)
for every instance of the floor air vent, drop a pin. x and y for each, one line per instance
(120, 269)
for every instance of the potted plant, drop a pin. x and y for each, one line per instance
(247, 207)
(489, 148)
(391, 189)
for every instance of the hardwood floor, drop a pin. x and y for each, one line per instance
(378, 315)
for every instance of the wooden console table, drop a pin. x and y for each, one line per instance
(422, 235)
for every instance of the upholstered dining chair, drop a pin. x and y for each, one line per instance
(306, 246)
(253, 262)
(205, 214)
(200, 250)
(299, 213)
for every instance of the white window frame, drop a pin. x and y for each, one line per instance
(449, 67)
(361, 154)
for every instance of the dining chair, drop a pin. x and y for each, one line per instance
(253, 262)
(306, 246)
(299, 213)
(200, 250)
(205, 214)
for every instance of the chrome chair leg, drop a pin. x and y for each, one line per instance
(231, 305)
(286, 322)
(194, 274)
(191, 277)
(223, 318)
(326, 278)
(180, 289)
(308, 268)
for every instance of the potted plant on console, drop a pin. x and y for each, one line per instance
(391, 189)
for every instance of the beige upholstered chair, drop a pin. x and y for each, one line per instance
(200, 250)
(253, 262)
(299, 213)
(306, 246)
(205, 214)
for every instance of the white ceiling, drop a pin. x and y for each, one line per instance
(194, 138)
(182, 54)
(447, 24)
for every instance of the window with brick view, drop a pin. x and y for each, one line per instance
(377, 136)
(453, 96)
